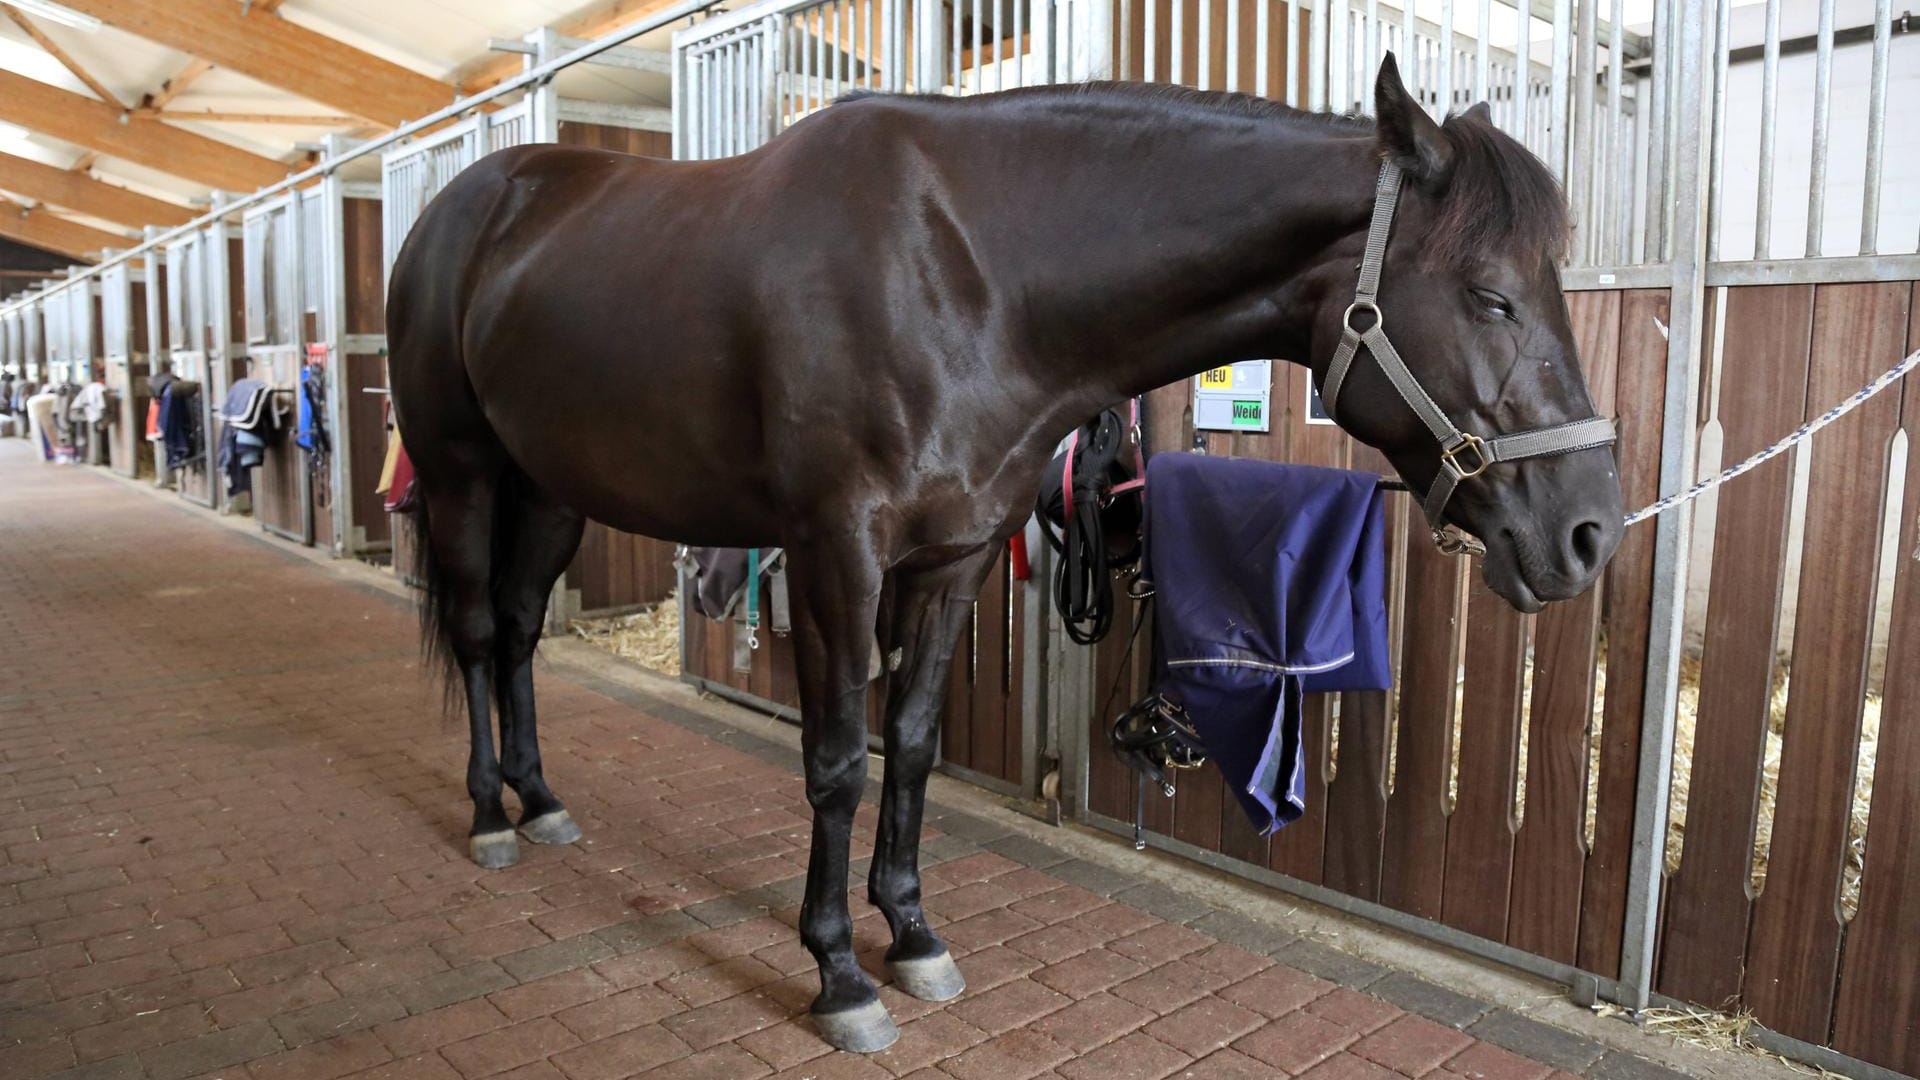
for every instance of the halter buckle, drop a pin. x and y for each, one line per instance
(1451, 540)
(1471, 442)
(1359, 304)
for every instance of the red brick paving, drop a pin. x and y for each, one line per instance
(234, 846)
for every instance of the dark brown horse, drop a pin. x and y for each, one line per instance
(861, 343)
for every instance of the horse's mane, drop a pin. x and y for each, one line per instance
(1500, 197)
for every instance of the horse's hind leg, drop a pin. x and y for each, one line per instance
(460, 509)
(537, 540)
(837, 599)
(930, 608)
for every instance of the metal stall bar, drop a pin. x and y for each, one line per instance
(1317, 58)
(1618, 215)
(1559, 144)
(1177, 31)
(1203, 47)
(1444, 86)
(1822, 117)
(1581, 161)
(1523, 64)
(1263, 45)
(1716, 188)
(1769, 121)
(1233, 44)
(1481, 58)
(1686, 339)
(1290, 71)
(1876, 127)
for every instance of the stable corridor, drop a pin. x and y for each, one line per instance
(233, 845)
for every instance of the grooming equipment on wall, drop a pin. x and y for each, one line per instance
(1090, 512)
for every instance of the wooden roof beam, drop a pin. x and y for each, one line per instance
(85, 195)
(97, 126)
(177, 85)
(268, 48)
(54, 233)
(53, 49)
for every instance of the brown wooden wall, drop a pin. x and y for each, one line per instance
(1786, 952)
(983, 725)
(1400, 839)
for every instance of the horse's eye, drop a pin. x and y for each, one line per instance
(1493, 302)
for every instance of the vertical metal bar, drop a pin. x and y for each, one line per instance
(956, 46)
(1149, 40)
(1481, 56)
(1000, 35)
(1722, 46)
(1769, 122)
(1446, 58)
(1293, 68)
(1263, 49)
(817, 80)
(978, 42)
(1339, 55)
(1616, 189)
(1523, 77)
(1822, 110)
(1558, 115)
(1876, 127)
(1203, 46)
(1410, 48)
(1317, 58)
(1176, 60)
(1666, 637)
(1582, 157)
(1233, 45)
(1370, 48)
(1661, 126)
(1022, 44)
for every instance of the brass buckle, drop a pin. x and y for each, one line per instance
(1467, 442)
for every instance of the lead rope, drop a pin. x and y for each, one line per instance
(1799, 435)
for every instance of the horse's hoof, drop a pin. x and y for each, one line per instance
(936, 978)
(867, 1029)
(554, 828)
(494, 850)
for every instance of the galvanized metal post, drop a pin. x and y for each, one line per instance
(1692, 116)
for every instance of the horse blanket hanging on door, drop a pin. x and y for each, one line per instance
(1269, 582)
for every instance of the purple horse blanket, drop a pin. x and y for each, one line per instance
(1269, 582)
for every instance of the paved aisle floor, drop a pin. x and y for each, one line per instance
(234, 846)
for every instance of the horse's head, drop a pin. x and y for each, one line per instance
(1469, 292)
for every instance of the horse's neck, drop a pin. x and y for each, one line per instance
(1170, 250)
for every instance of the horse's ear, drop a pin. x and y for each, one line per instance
(1408, 136)
(1481, 111)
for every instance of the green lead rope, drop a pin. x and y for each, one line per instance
(753, 598)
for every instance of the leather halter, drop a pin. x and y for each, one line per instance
(1462, 455)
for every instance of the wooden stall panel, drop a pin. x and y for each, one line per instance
(1877, 1014)
(1550, 844)
(1416, 830)
(1479, 852)
(1627, 603)
(1794, 953)
(1763, 395)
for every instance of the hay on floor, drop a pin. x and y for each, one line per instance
(650, 638)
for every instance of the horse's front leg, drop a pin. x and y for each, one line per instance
(837, 599)
(930, 609)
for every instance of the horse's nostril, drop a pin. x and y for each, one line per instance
(1585, 546)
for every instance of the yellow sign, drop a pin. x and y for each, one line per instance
(1220, 378)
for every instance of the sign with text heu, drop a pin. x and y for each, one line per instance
(1234, 398)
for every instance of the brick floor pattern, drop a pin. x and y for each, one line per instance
(234, 846)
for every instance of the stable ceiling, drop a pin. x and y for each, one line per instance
(136, 123)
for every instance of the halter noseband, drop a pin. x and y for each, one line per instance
(1462, 455)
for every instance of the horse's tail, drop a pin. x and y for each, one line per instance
(430, 582)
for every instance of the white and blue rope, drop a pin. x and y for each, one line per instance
(1799, 435)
